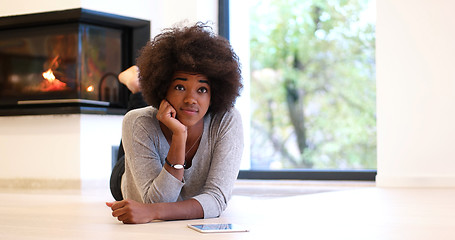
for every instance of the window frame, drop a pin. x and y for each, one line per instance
(291, 174)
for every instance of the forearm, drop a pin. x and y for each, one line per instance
(178, 134)
(129, 211)
(176, 155)
(188, 209)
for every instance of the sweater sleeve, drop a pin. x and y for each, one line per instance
(224, 166)
(146, 179)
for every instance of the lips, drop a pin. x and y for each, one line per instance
(190, 110)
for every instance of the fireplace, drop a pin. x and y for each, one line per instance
(67, 61)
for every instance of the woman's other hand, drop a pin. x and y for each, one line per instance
(129, 211)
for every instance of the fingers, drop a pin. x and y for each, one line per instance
(167, 115)
(117, 205)
(119, 212)
(169, 108)
(119, 209)
(166, 110)
(122, 210)
(130, 211)
(125, 219)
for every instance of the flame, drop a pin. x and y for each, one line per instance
(49, 75)
(90, 88)
(51, 83)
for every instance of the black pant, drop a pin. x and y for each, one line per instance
(116, 179)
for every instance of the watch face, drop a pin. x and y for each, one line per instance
(178, 166)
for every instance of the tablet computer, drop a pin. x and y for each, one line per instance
(217, 227)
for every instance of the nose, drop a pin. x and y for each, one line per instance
(190, 98)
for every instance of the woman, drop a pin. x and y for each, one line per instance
(182, 154)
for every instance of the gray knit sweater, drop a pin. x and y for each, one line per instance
(214, 168)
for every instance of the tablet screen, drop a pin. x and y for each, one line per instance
(217, 227)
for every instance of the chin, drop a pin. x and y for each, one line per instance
(190, 122)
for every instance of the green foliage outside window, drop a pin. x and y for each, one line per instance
(313, 85)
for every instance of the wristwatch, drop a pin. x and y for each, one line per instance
(175, 166)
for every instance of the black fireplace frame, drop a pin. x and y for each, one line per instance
(135, 34)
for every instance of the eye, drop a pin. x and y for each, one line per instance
(203, 90)
(179, 87)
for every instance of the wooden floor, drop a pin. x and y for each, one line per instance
(351, 213)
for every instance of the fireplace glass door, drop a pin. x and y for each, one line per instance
(60, 63)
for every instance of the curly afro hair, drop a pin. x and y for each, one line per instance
(192, 49)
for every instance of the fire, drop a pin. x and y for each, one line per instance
(90, 88)
(51, 83)
(49, 75)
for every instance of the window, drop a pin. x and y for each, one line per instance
(309, 98)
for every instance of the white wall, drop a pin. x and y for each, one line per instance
(39, 147)
(162, 13)
(166, 13)
(415, 93)
(18, 7)
(61, 151)
(98, 133)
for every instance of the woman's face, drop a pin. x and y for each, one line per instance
(189, 94)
